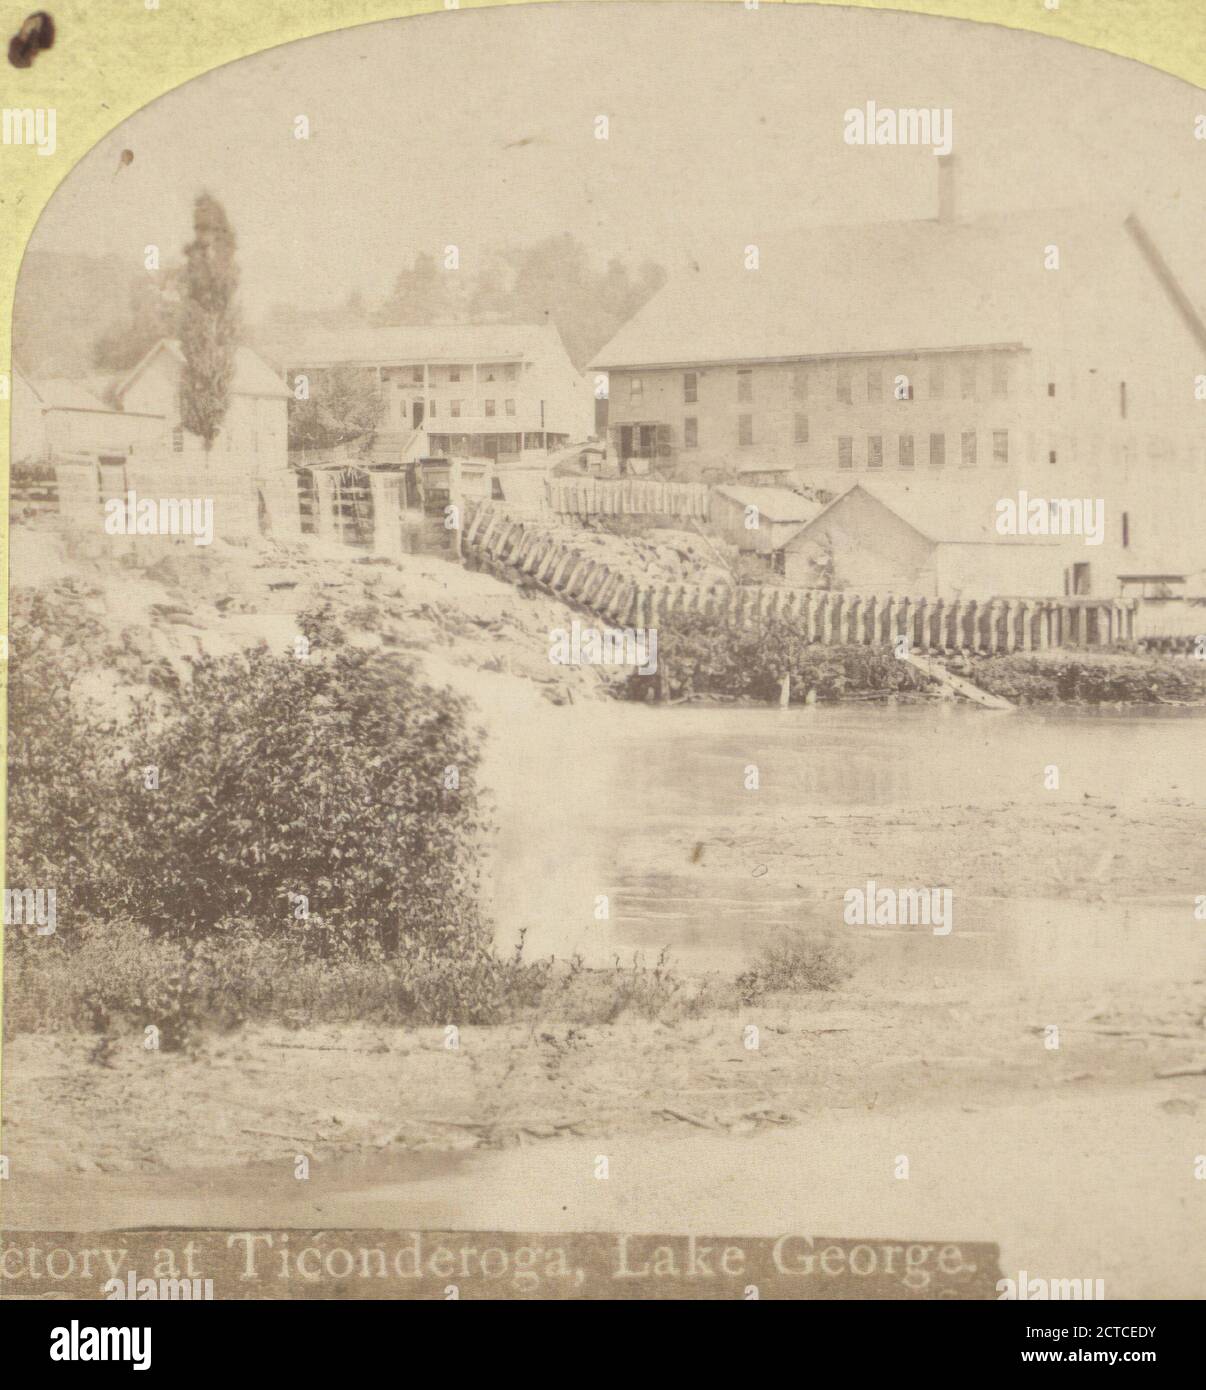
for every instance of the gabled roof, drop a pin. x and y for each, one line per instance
(252, 375)
(914, 286)
(941, 519)
(773, 503)
(62, 393)
(450, 344)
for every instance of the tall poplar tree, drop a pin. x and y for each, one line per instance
(209, 321)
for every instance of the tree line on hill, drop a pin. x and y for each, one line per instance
(78, 315)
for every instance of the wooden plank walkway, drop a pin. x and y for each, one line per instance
(957, 685)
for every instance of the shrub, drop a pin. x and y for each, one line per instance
(343, 778)
(700, 657)
(282, 778)
(796, 960)
(57, 752)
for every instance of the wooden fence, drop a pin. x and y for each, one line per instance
(628, 497)
(522, 548)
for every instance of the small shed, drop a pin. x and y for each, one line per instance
(937, 547)
(759, 519)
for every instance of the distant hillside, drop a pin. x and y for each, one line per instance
(64, 302)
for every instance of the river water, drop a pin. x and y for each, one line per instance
(650, 807)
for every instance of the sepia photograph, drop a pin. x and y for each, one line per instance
(606, 657)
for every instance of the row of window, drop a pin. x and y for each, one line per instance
(868, 384)
(874, 449)
(745, 430)
(455, 408)
(906, 454)
(507, 371)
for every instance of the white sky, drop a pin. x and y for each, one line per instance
(726, 126)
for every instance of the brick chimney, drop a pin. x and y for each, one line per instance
(946, 188)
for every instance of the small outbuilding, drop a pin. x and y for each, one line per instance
(759, 519)
(935, 548)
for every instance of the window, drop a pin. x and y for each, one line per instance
(1000, 446)
(1051, 456)
(799, 384)
(454, 409)
(511, 371)
(801, 434)
(875, 384)
(454, 374)
(937, 450)
(967, 380)
(690, 432)
(1122, 398)
(845, 451)
(843, 386)
(745, 384)
(1126, 529)
(636, 388)
(416, 375)
(906, 451)
(745, 429)
(875, 451)
(1051, 388)
(1000, 376)
(178, 440)
(690, 387)
(937, 384)
(432, 410)
(489, 408)
(510, 407)
(969, 449)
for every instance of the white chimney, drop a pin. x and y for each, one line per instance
(946, 188)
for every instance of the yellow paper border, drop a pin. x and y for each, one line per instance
(112, 57)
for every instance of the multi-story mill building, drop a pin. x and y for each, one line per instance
(954, 362)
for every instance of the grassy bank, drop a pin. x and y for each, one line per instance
(699, 659)
(118, 979)
(1085, 678)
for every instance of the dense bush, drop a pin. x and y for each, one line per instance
(282, 778)
(1105, 678)
(698, 657)
(57, 749)
(341, 779)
